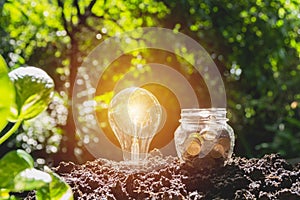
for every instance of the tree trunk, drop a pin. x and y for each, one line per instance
(69, 141)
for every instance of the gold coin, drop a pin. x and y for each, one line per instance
(217, 151)
(209, 135)
(193, 148)
(196, 136)
(225, 142)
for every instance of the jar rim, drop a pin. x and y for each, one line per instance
(203, 114)
(202, 109)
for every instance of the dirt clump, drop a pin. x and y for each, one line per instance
(270, 177)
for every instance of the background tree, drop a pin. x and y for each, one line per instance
(254, 43)
(58, 35)
(256, 46)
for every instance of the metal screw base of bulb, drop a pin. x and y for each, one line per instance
(154, 160)
(134, 159)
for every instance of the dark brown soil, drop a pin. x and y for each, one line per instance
(270, 177)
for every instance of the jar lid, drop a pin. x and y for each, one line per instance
(204, 113)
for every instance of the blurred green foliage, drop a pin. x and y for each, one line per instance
(28, 91)
(255, 44)
(18, 175)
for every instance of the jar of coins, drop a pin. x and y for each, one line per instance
(204, 136)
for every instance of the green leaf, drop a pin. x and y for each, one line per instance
(11, 165)
(4, 193)
(57, 189)
(34, 89)
(7, 94)
(43, 193)
(30, 179)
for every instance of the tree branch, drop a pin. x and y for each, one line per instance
(91, 28)
(87, 11)
(75, 3)
(65, 23)
(90, 6)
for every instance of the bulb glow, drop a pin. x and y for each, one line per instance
(134, 115)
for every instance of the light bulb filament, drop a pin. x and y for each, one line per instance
(135, 150)
(138, 114)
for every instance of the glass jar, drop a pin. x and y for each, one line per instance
(204, 135)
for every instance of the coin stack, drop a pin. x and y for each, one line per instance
(207, 147)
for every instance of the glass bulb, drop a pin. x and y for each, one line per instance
(134, 115)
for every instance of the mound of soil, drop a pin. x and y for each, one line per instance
(270, 177)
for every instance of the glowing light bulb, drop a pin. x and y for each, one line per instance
(134, 115)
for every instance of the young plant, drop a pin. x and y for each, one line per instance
(7, 96)
(25, 93)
